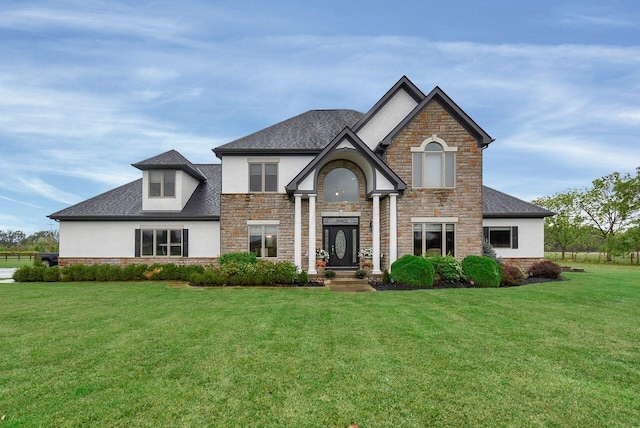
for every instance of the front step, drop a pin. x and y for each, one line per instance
(348, 284)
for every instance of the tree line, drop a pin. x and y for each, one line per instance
(17, 240)
(604, 216)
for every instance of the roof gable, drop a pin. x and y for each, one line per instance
(452, 108)
(347, 145)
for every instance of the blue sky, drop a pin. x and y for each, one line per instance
(88, 87)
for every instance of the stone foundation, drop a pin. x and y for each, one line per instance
(522, 263)
(124, 261)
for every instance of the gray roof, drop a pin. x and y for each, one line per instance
(496, 204)
(170, 160)
(125, 202)
(308, 132)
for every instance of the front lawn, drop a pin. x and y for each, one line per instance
(146, 354)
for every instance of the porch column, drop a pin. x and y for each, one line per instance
(376, 233)
(312, 234)
(297, 232)
(393, 229)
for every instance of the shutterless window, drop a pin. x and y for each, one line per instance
(341, 185)
(161, 242)
(263, 240)
(434, 167)
(263, 177)
(434, 238)
(162, 183)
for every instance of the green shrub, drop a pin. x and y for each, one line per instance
(134, 272)
(285, 272)
(545, 269)
(107, 272)
(330, 273)
(238, 258)
(29, 274)
(446, 268)
(78, 273)
(483, 271)
(51, 274)
(303, 278)
(413, 270)
(183, 273)
(386, 277)
(511, 275)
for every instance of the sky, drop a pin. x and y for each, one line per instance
(89, 87)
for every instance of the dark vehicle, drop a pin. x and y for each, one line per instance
(49, 259)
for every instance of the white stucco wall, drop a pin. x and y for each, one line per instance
(235, 171)
(530, 236)
(185, 186)
(117, 238)
(383, 122)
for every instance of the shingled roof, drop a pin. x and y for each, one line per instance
(308, 132)
(496, 204)
(125, 202)
(170, 160)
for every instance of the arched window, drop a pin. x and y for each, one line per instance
(434, 164)
(341, 185)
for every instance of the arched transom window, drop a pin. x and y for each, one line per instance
(434, 164)
(341, 185)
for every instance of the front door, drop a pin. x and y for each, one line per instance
(341, 241)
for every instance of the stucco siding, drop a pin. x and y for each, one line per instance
(235, 171)
(530, 236)
(392, 113)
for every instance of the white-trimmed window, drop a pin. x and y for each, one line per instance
(501, 236)
(162, 242)
(263, 240)
(263, 176)
(434, 238)
(434, 164)
(162, 184)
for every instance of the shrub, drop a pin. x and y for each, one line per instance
(545, 269)
(386, 278)
(183, 273)
(303, 278)
(29, 274)
(483, 271)
(107, 272)
(134, 272)
(78, 273)
(51, 274)
(446, 268)
(511, 275)
(238, 258)
(413, 270)
(330, 273)
(488, 251)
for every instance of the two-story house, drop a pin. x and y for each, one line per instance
(403, 178)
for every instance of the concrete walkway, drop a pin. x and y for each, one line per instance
(348, 285)
(6, 273)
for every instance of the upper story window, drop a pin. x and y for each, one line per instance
(341, 185)
(162, 183)
(434, 164)
(263, 177)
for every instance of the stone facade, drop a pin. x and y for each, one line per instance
(124, 261)
(464, 201)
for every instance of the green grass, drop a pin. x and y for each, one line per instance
(14, 262)
(144, 354)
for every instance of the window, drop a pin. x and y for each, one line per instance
(263, 177)
(162, 242)
(501, 236)
(162, 184)
(434, 238)
(263, 240)
(434, 164)
(341, 185)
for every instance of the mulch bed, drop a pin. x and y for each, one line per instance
(379, 286)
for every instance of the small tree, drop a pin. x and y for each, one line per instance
(564, 230)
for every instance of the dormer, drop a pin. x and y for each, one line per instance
(168, 181)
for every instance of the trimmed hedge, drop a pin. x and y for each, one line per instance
(413, 270)
(238, 258)
(234, 273)
(483, 271)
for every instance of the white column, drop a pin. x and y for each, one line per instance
(376, 234)
(297, 232)
(393, 229)
(312, 234)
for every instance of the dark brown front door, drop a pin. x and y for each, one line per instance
(341, 241)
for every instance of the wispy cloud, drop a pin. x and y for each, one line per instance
(19, 202)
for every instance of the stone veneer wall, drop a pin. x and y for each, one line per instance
(522, 263)
(464, 201)
(124, 261)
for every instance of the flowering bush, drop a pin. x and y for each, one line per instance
(320, 263)
(322, 253)
(365, 252)
(367, 263)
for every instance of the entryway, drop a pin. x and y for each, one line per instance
(341, 239)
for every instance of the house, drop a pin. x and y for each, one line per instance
(403, 178)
